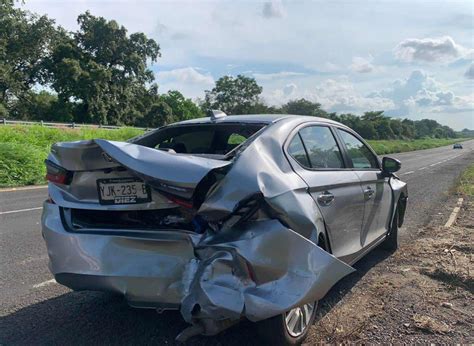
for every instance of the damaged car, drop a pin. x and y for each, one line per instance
(224, 218)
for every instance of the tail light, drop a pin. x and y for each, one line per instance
(57, 174)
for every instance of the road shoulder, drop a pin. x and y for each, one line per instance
(422, 293)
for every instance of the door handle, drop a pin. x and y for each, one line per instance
(326, 198)
(368, 193)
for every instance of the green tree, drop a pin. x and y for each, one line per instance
(25, 41)
(233, 95)
(103, 69)
(366, 129)
(42, 106)
(303, 107)
(159, 114)
(181, 107)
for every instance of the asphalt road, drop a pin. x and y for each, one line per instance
(36, 310)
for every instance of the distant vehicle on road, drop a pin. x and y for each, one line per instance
(223, 218)
(457, 146)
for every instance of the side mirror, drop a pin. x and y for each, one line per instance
(390, 165)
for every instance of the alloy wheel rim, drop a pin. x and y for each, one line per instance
(297, 319)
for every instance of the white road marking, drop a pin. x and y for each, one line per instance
(25, 188)
(434, 164)
(407, 173)
(44, 283)
(454, 214)
(422, 168)
(19, 210)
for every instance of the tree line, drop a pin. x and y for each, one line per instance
(100, 74)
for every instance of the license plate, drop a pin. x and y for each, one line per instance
(123, 191)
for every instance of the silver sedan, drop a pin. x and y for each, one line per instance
(223, 218)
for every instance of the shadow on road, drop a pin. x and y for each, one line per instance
(100, 318)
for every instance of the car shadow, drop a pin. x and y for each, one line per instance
(80, 318)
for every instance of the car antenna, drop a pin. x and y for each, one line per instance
(215, 114)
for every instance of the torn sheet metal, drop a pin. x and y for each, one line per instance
(259, 271)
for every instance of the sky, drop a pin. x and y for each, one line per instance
(412, 59)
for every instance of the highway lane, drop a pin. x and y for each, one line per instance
(46, 312)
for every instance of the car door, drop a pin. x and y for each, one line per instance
(317, 159)
(376, 188)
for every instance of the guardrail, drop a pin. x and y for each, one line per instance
(60, 125)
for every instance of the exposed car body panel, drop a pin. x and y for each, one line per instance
(236, 263)
(288, 270)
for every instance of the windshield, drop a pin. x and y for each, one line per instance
(209, 139)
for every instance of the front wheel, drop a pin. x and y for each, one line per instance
(290, 328)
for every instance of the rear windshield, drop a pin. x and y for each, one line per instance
(209, 139)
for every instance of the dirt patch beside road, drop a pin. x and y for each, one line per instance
(422, 293)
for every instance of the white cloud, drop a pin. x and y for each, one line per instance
(362, 65)
(341, 96)
(420, 93)
(402, 90)
(333, 95)
(329, 67)
(441, 49)
(185, 75)
(426, 98)
(277, 75)
(290, 89)
(469, 74)
(188, 80)
(273, 9)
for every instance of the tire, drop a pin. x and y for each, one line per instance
(278, 330)
(391, 241)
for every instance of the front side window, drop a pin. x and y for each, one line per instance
(358, 152)
(321, 148)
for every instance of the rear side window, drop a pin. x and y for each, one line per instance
(296, 150)
(358, 152)
(319, 146)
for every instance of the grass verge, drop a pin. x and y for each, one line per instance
(23, 149)
(466, 182)
(383, 147)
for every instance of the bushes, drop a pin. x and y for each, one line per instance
(466, 182)
(21, 164)
(23, 149)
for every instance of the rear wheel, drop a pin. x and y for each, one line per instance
(391, 241)
(290, 328)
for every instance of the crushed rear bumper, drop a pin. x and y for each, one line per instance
(146, 267)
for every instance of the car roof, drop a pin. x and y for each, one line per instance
(253, 118)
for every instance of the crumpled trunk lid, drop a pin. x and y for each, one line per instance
(169, 174)
(177, 174)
